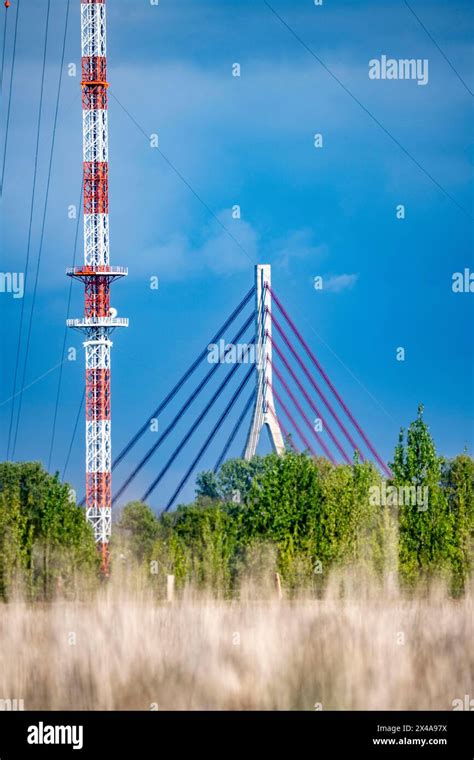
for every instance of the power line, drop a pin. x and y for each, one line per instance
(211, 212)
(439, 48)
(78, 417)
(43, 223)
(369, 113)
(66, 329)
(3, 47)
(185, 181)
(29, 229)
(33, 382)
(7, 131)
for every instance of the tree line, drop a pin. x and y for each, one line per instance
(45, 541)
(294, 514)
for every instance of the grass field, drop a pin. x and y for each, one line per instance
(122, 651)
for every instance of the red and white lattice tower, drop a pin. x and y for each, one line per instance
(97, 275)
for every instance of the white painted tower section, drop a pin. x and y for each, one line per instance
(263, 353)
(97, 275)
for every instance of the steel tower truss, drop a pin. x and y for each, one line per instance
(96, 275)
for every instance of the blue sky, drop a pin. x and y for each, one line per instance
(248, 140)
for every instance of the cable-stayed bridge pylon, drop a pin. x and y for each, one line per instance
(288, 387)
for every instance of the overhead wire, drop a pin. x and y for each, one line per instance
(30, 227)
(45, 208)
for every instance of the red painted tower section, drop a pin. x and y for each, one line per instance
(97, 275)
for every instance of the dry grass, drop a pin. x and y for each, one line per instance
(130, 652)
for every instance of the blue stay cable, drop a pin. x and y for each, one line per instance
(210, 437)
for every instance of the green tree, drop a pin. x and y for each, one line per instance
(234, 479)
(13, 542)
(198, 543)
(141, 526)
(458, 485)
(206, 485)
(427, 544)
(315, 513)
(45, 532)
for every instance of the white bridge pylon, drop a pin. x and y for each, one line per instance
(264, 412)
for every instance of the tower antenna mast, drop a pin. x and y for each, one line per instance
(97, 274)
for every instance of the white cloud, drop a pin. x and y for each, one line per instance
(226, 247)
(229, 246)
(299, 245)
(339, 282)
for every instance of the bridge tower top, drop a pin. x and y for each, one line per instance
(264, 412)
